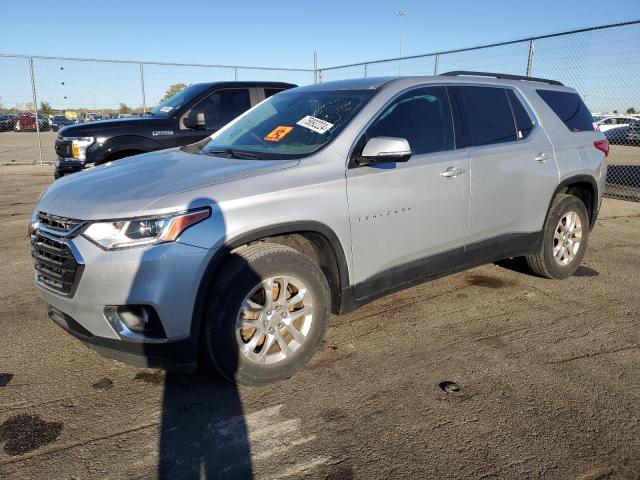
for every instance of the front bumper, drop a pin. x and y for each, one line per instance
(178, 355)
(165, 277)
(64, 167)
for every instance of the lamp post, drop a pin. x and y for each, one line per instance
(401, 14)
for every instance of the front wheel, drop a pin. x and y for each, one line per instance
(564, 239)
(267, 314)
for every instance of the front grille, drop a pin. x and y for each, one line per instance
(59, 224)
(56, 267)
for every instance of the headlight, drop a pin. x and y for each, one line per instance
(79, 146)
(136, 232)
(34, 222)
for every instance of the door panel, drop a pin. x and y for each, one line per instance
(406, 211)
(513, 170)
(402, 212)
(510, 187)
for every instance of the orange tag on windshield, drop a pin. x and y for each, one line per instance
(277, 133)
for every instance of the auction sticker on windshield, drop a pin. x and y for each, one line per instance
(316, 124)
(277, 133)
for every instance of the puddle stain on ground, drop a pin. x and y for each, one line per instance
(104, 384)
(583, 271)
(485, 281)
(154, 378)
(5, 378)
(24, 433)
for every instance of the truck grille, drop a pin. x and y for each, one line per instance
(59, 224)
(56, 267)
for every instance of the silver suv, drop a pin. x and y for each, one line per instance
(238, 248)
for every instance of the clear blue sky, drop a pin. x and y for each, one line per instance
(283, 33)
(604, 66)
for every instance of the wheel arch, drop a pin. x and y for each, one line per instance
(585, 188)
(125, 143)
(311, 238)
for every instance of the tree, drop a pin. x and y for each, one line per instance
(45, 109)
(631, 111)
(124, 108)
(615, 111)
(173, 89)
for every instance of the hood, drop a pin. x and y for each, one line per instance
(106, 126)
(125, 187)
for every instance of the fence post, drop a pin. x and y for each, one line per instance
(531, 57)
(435, 64)
(144, 100)
(366, 73)
(315, 67)
(320, 76)
(235, 73)
(35, 106)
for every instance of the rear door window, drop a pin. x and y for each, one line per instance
(570, 109)
(422, 116)
(524, 124)
(484, 116)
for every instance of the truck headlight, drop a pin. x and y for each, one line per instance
(79, 146)
(134, 232)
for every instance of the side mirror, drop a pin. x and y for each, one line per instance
(385, 150)
(195, 119)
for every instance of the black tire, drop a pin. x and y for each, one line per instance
(247, 267)
(543, 262)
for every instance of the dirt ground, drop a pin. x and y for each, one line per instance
(546, 381)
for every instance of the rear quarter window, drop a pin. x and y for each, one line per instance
(570, 108)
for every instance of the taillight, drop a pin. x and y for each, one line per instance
(603, 146)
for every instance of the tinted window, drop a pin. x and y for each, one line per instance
(570, 108)
(223, 106)
(485, 116)
(169, 106)
(422, 116)
(524, 125)
(272, 91)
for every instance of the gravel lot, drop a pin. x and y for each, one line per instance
(547, 374)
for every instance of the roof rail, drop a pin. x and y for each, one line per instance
(505, 76)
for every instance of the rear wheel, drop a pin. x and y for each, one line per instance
(267, 315)
(564, 241)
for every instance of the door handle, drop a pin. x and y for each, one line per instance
(452, 172)
(542, 157)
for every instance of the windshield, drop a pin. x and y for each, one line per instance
(170, 105)
(290, 125)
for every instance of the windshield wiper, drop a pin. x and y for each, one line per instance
(234, 153)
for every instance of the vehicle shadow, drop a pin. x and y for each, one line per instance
(203, 433)
(202, 429)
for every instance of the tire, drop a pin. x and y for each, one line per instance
(229, 348)
(545, 263)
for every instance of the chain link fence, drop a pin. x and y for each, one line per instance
(602, 63)
(45, 93)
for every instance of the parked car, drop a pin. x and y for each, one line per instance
(633, 133)
(7, 122)
(317, 201)
(26, 122)
(187, 117)
(617, 136)
(58, 121)
(617, 121)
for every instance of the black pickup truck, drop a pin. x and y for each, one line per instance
(187, 117)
